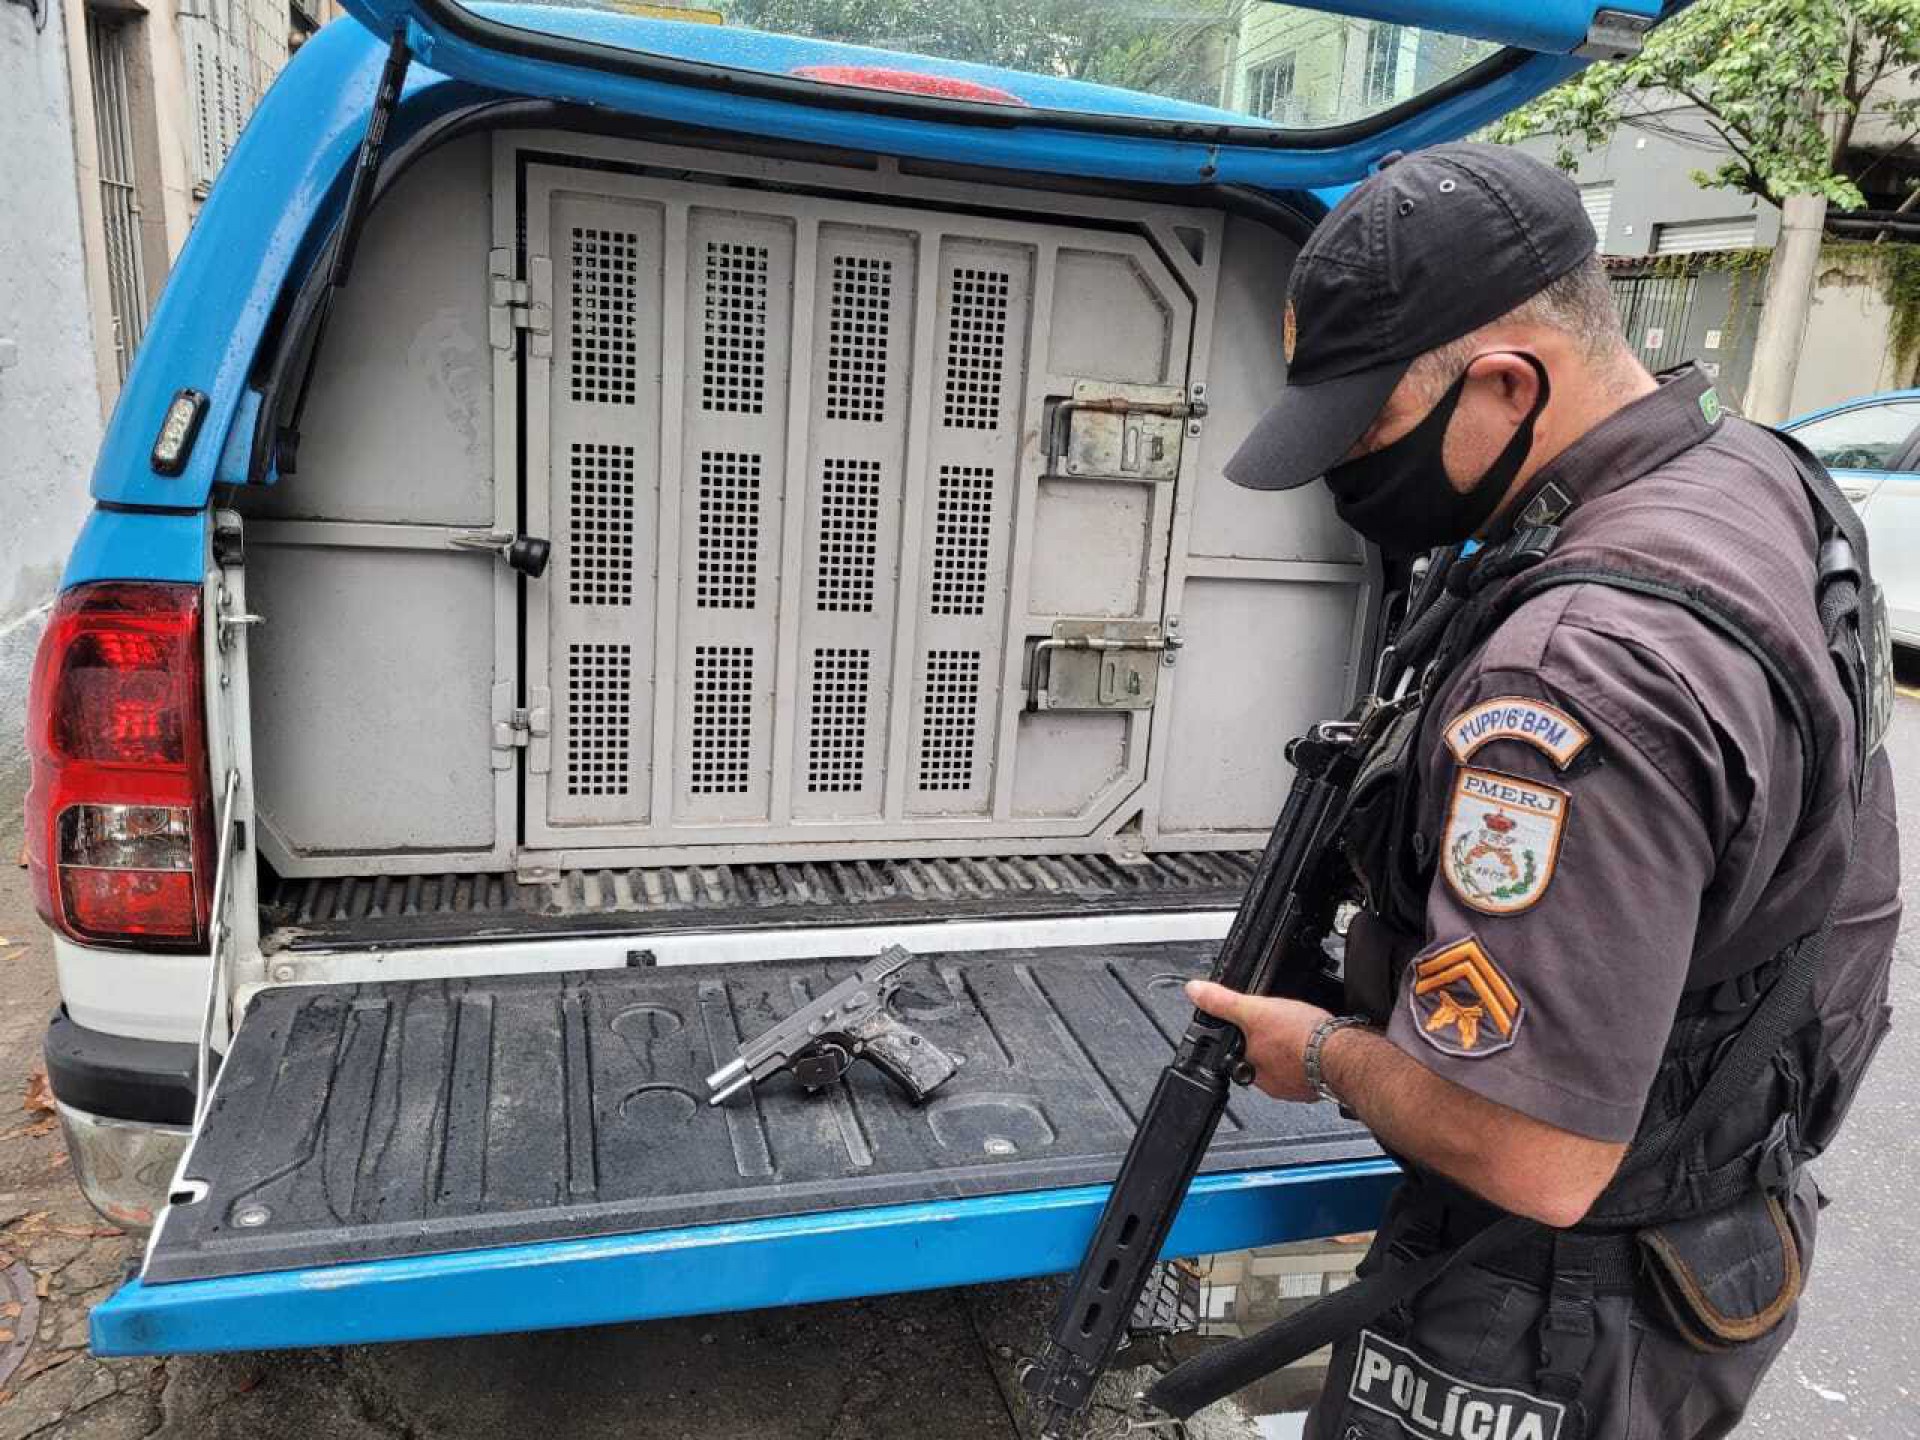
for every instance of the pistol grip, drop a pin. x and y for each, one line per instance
(904, 1055)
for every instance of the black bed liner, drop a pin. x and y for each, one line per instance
(395, 911)
(414, 1117)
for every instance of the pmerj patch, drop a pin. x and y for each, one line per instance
(1461, 1001)
(1502, 840)
(1430, 1404)
(1547, 728)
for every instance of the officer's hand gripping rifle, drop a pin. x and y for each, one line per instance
(1272, 948)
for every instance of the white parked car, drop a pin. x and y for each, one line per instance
(1872, 446)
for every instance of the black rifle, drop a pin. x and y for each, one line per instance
(1275, 947)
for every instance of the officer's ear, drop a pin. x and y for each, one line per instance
(1506, 380)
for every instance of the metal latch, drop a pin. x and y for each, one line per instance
(521, 727)
(526, 554)
(516, 304)
(1615, 35)
(1122, 432)
(227, 624)
(1098, 665)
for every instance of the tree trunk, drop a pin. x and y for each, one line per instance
(1783, 318)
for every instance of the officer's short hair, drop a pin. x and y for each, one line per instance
(1579, 303)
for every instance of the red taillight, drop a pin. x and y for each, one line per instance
(119, 819)
(908, 82)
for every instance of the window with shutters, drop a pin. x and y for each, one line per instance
(1687, 237)
(1380, 77)
(110, 48)
(221, 84)
(1270, 92)
(1597, 201)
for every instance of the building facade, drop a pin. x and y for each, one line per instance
(1308, 69)
(160, 93)
(49, 392)
(1642, 197)
(1689, 262)
(117, 115)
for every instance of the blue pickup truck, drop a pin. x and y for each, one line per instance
(621, 516)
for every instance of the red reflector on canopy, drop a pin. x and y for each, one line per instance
(908, 82)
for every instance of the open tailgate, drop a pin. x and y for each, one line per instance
(432, 1127)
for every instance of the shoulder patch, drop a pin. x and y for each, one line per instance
(1547, 728)
(1461, 1002)
(1502, 840)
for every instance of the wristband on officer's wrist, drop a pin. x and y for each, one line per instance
(1316, 1044)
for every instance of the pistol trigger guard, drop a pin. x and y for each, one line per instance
(823, 1063)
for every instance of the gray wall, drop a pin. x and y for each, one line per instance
(1652, 177)
(1848, 346)
(49, 393)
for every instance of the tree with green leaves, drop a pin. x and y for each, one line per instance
(1782, 85)
(1785, 90)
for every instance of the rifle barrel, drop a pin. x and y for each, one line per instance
(1180, 1118)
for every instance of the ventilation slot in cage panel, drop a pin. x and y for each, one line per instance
(849, 535)
(722, 720)
(837, 721)
(962, 538)
(728, 559)
(976, 348)
(599, 712)
(734, 356)
(949, 716)
(857, 333)
(606, 301)
(600, 525)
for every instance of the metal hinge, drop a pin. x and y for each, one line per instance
(517, 727)
(515, 304)
(1615, 35)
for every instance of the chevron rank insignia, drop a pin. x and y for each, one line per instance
(1462, 1004)
(1502, 840)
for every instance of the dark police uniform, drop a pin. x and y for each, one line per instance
(1608, 820)
(1623, 833)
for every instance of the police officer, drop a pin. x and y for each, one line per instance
(1634, 789)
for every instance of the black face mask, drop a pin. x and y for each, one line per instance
(1399, 497)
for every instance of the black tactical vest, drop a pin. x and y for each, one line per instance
(1827, 659)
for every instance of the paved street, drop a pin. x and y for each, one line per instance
(935, 1366)
(1850, 1370)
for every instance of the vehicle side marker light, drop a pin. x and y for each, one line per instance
(178, 431)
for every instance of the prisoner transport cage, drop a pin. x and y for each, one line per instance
(887, 528)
